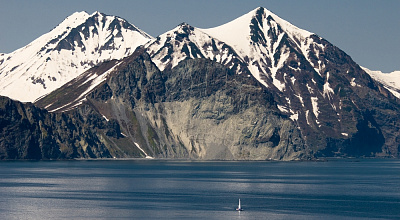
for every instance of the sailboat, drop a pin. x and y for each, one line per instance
(239, 208)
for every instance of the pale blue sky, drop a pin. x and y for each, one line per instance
(367, 30)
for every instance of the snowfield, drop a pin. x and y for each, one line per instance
(391, 81)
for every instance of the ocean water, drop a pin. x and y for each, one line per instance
(164, 189)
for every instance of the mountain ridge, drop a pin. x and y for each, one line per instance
(278, 93)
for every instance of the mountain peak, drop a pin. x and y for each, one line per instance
(183, 28)
(98, 13)
(267, 23)
(71, 21)
(264, 39)
(188, 42)
(184, 24)
(72, 47)
(78, 14)
(237, 32)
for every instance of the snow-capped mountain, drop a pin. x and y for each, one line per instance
(187, 42)
(276, 52)
(391, 81)
(265, 41)
(80, 42)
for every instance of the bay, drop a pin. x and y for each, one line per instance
(166, 189)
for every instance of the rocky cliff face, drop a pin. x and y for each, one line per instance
(199, 110)
(28, 132)
(203, 110)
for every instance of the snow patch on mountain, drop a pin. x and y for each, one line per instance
(391, 81)
(94, 80)
(144, 152)
(84, 83)
(328, 91)
(81, 41)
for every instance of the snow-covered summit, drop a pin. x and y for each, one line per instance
(251, 25)
(78, 43)
(266, 42)
(187, 42)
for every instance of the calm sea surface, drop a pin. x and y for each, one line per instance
(154, 189)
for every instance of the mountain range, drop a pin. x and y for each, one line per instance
(255, 88)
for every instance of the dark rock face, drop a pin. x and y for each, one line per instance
(341, 110)
(32, 133)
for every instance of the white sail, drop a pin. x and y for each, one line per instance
(239, 208)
